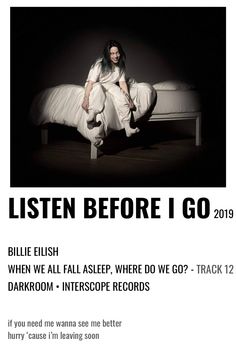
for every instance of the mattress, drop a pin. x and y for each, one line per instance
(177, 101)
(63, 105)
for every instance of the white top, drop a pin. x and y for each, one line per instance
(95, 74)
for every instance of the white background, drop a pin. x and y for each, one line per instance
(182, 313)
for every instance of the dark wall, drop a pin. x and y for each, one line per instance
(57, 45)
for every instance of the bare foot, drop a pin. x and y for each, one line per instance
(130, 131)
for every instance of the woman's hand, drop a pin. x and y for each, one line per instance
(85, 104)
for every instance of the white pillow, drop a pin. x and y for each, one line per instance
(172, 85)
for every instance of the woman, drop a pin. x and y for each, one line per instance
(107, 74)
(101, 106)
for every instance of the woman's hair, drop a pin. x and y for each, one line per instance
(106, 61)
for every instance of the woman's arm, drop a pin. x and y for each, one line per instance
(88, 88)
(124, 88)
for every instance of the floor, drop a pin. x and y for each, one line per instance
(163, 159)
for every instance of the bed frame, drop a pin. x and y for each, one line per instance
(197, 116)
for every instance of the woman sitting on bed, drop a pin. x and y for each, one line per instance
(107, 74)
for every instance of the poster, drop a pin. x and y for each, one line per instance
(132, 251)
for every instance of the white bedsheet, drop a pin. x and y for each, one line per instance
(62, 105)
(176, 101)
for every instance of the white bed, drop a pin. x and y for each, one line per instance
(175, 100)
